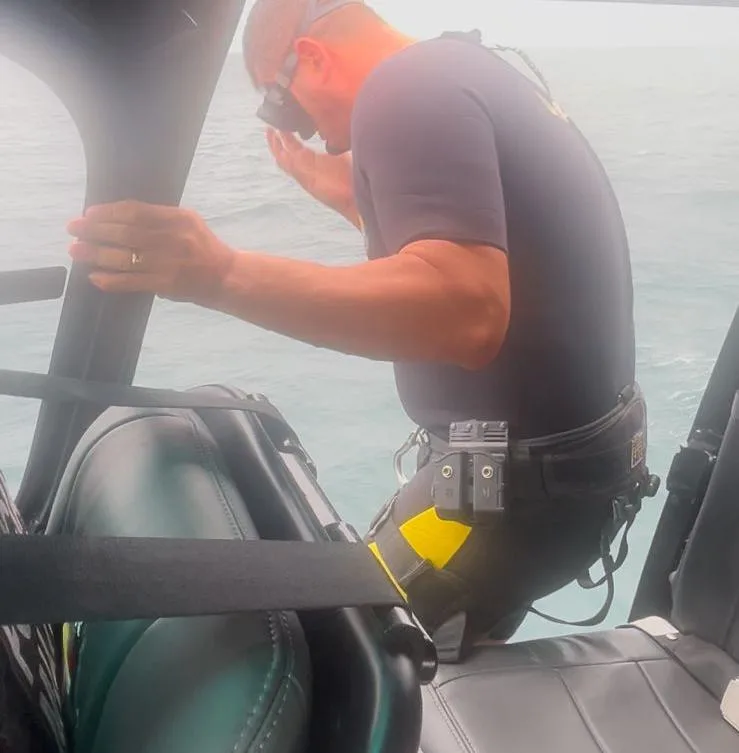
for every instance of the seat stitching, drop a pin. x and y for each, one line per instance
(448, 717)
(267, 680)
(597, 739)
(286, 685)
(667, 711)
(539, 667)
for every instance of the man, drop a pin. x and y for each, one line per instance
(498, 282)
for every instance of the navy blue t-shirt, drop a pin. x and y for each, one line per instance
(451, 142)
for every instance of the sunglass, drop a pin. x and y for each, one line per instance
(279, 108)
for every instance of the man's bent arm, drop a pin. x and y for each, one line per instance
(434, 301)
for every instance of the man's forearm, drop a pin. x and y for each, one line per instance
(398, 308)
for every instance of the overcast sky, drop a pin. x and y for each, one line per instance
(564, 24)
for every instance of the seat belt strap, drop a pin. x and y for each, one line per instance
(625, 512)
(64, 578)
(105, 394)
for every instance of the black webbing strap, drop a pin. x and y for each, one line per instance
(53, 579)
(609, 568)
(50, 387)
(402, 559)
(628, 511)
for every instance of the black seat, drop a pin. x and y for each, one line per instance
(232, 684)
(325, 681)
(644, 688)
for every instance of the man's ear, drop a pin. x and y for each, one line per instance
(313, 55)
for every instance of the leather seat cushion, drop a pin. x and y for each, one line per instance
(222, 684)
(612, 692)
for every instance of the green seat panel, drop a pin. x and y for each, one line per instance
(225, 684)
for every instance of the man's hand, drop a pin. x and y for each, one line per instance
(137, 247)
(435, 301)
(327, 178)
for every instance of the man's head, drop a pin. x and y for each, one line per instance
(311, 57)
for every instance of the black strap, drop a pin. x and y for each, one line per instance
(51, 387)
(53, 579)
(628, 512)
(602, 613)
(402, 559)
(625, 510)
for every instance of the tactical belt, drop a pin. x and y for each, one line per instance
(582, 462)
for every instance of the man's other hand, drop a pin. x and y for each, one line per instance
(327, 178)
(138, 247)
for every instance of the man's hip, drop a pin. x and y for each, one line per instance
(559, 503)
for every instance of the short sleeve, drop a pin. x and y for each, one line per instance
(428, 157)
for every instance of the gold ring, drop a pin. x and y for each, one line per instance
(135, 259)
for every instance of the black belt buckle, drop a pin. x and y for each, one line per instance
(471, 479)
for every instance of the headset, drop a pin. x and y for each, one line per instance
(279, 108)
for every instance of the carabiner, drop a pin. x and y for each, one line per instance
(415, 439)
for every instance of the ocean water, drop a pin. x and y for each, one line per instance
(666, 125)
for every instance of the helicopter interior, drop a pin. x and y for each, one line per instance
(320, 680)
